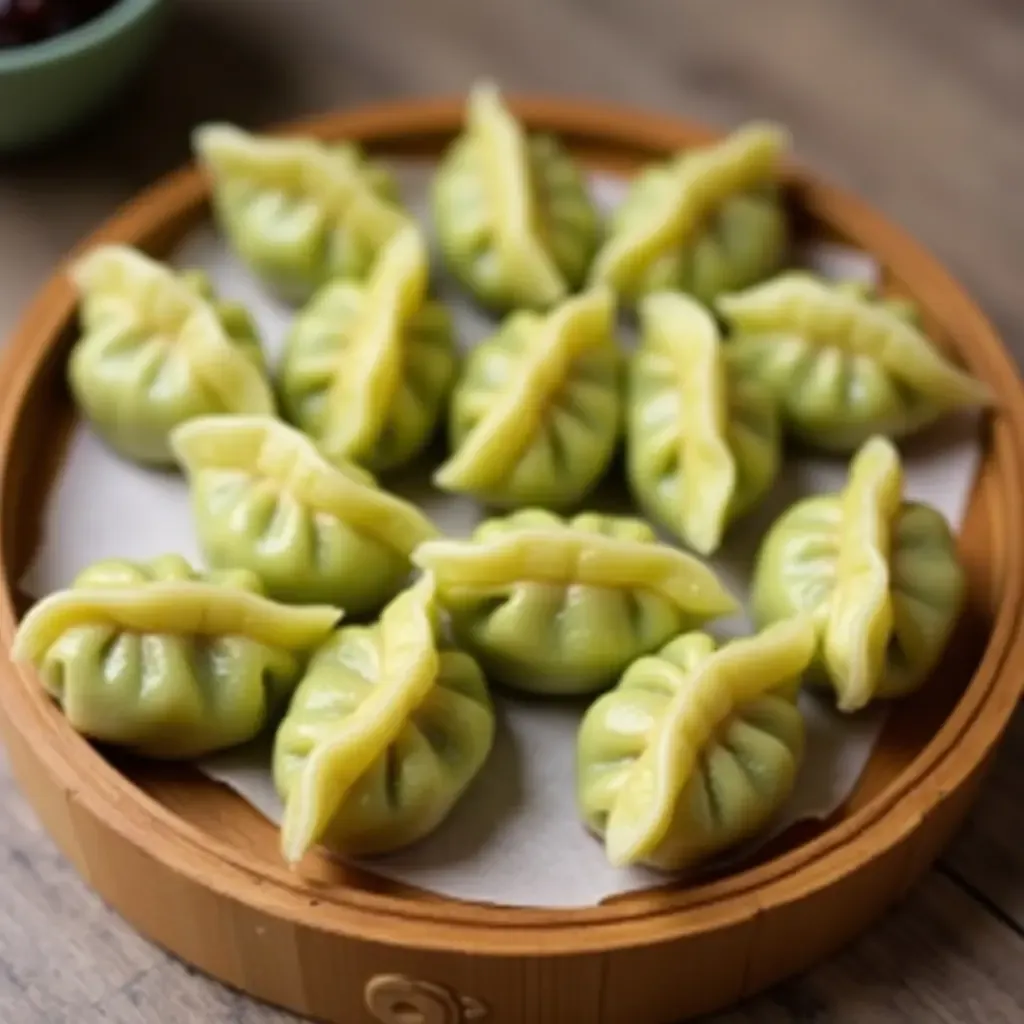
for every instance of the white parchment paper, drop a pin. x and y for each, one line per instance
(515, 838)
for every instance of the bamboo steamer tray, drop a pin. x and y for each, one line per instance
(197, 870)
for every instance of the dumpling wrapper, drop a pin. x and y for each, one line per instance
(710, 220)
(535, 418)
(703, 442)
(166, 661)
(697, 748)
(298, 212)
(384, 734)
(843, 366)
(514, 219)
(265, 499)
(879, 575)
(157, 349)
(367, 368)
(557, 607)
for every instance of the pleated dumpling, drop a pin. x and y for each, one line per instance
(844, 366)
(384, 734)
(266, 500)
(367, 368)
(535, 417)
(514, 219)
(879, 574)
(703, 440)
(697, 748)
(710, 220)
(555, 606)
(166, 661)
(298, 212)
(155, 350)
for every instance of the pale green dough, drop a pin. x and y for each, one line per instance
(368, 367)
(555, 606)
(156, 349)
(299, 213)
(703, 443)
(514, 219)
(383, 736)
(696, 749)
(880, 576)
(710, 220)
(167, 661)
(843, 364)
(264, 499)
(535, 417)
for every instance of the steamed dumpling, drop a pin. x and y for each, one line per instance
(703, 440)
(368, 368)
(266, 500)
(557, 606)
(384, 734)
(514, 219)
(879, 574)
(708, 221)
(535, 417)
(697, 748)
(297, 211)
(155, 350)
(843, 365)
(166, 661)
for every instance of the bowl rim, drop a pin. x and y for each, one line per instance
(944, 764)
(104, 27)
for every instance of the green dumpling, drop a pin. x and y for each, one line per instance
(514, 219)
(368, 368)
(298, 212)
(166, 661)
(266, 500)
(697, 748)
(843, 365)
(236, 319)
(710, 220)
(384, 734)
(703, 440)
(880, 576)
(535, 418)
(156, 349)
(555, 606)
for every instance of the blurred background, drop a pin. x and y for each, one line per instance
(918, 105)
(914, 103)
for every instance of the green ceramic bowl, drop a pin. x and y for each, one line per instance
(49, 87)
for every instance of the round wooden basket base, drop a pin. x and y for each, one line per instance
(198, 871)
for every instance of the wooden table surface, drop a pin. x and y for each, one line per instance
(916, 104)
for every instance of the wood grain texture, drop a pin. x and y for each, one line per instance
(915, 105)
(212, 888)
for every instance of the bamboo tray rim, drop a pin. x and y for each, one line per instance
(952, 754)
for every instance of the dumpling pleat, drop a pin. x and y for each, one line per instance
(915, 383)
(527, 618)
(659, 238)
(593, 623)
(879, 575)
(861, 613)
(514, 219)
(704, 778)
(686, 395)
(519, 446)
(382, 736)
(409, 663)
(88, 655)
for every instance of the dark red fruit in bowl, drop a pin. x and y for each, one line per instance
(32, 21)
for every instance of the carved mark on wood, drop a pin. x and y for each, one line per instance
(396, 999)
